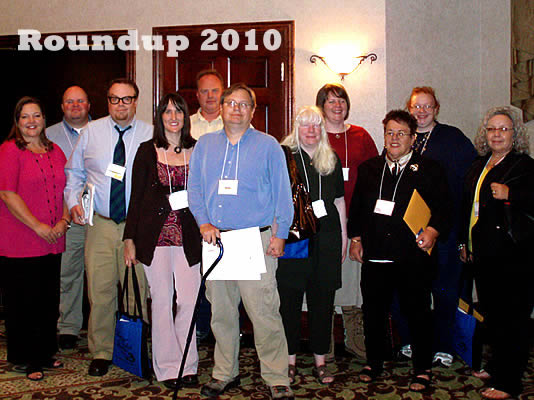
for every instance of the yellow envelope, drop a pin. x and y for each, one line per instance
(417, 215)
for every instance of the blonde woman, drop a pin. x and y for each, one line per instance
(319, 275)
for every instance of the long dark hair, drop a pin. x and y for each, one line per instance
(186, 140)
(15, 132)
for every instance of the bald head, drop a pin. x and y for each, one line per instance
(75, 107)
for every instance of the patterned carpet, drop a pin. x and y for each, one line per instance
(72, 381)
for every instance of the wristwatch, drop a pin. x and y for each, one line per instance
(68, 223)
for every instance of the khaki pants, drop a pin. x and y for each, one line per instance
(262, 303)
(104, 261)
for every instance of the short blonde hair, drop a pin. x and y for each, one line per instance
(324, 158)
(520, 137)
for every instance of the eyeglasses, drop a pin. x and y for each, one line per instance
(400, 134)
(125, 99)
(501, 129)
(426, 107)
(242, 105)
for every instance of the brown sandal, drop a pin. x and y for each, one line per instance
(481, 374)
(369, 374)
(292, 373)
(322, 374)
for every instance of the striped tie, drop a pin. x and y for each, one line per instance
(117, 197)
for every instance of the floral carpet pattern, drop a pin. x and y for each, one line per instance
(72, 381)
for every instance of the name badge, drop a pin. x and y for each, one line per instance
(384, 207)
(345, 174)
(116, 171)
(476, 208)
(178, 200)
(318, 208)
(228, 186)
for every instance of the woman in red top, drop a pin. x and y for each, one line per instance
(353, 145)
(33, 222)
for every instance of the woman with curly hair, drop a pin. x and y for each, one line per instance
(498, 230)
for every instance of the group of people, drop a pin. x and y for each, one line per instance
(160, 191)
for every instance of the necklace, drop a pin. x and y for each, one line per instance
(427, 136)
(177, 149)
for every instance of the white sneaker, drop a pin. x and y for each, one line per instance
(405, 353)
(443, 359)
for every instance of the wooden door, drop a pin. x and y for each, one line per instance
(258, 54)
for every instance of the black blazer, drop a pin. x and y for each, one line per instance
(149, 208)
(388, 237)
(489, 234)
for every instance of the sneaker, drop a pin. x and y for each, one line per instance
(216, 387)
(442, 360)
(282, 392)
(405, 353)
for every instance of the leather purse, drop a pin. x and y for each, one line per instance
(305, 223)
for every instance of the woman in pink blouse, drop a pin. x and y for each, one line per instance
(162, 234)
(33, 222)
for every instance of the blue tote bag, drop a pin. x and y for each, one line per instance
(130, 349)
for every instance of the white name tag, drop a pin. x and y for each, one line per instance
(116, 171)
(178, 200)
(476, 208)
(345, 174)
(384, 207)
(228, 186)
(318, 208)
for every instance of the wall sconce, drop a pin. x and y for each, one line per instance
(343, 65)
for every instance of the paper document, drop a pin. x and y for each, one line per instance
(243, 258)
(87, 202)
(417, 214)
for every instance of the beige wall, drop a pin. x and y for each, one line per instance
(458, 46)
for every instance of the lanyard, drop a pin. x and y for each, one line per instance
(346, 150)
(426, 141)
(382, 181)
(169, 172)
(306, 175)
(237, 160)
(129, 146)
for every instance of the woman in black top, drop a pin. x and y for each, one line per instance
(497, 234)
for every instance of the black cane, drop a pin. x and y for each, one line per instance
(194, 320)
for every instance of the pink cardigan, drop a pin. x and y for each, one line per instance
(39, 179)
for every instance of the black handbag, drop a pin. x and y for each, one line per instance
(130, 348)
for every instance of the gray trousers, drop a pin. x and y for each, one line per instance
(71, 286)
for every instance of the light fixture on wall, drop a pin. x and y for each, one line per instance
(342, 64)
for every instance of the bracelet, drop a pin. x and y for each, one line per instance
(66, 221)
(354, 240)
(461, 247)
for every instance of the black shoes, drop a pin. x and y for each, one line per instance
(216, 387)
(99, 367)
(188, 381)
(67, 342)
